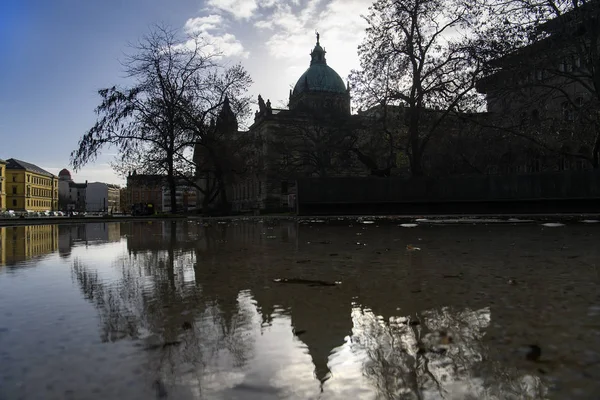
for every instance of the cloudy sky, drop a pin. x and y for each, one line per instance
(56, 54)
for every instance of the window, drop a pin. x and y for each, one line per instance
(14, 178)
(14, 203)
(14, 190)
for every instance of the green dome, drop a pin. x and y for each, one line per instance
(319, 77)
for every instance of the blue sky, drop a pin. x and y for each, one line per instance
(56, 54)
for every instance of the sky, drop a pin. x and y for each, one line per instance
(55, 56)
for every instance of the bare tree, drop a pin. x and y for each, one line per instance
(174, 81)
(417, 54)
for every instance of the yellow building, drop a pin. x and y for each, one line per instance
(2, 185)
(30, 188)
(2, 246)
(21, 243)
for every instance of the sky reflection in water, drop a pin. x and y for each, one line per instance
(184, 310)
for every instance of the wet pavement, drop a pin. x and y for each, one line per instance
(311, 309)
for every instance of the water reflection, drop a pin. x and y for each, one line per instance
(22, 243)
(191, 310)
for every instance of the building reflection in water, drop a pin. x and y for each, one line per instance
(201, 303)
(29, 242)
(86, 234)
(23, 243)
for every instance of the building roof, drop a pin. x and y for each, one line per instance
(319, 77)
(13, 163)
(64, 172)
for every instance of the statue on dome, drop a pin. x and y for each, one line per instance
(261, 104)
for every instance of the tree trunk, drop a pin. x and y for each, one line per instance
(172, 183)
(171, 255)
(416, 153)
(224, 202)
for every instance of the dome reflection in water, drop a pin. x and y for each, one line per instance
(195, 310)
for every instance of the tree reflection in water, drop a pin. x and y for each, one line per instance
(201, 307)
(188, 340)
(437, 354)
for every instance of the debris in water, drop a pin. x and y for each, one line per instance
(553, 224)
(512, 281)
(590, 221)
(459, 275)
(409, 225)
(534, 352)
(308, 282)
(368, 222)
(410, 247)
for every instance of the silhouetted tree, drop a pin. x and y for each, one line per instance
(150, 123)
(415, 54)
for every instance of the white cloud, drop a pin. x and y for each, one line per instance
(280, 36)
(203, 24)
(338, 21)
(239, 9)
(210, 28)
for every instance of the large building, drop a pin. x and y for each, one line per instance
(71, 195)
(29, 187)
(2, 185)
(102, 197)
(290, 143)
(145, 189)
(547, 92)
(185, 198)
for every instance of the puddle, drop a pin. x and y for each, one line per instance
(253, 309)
